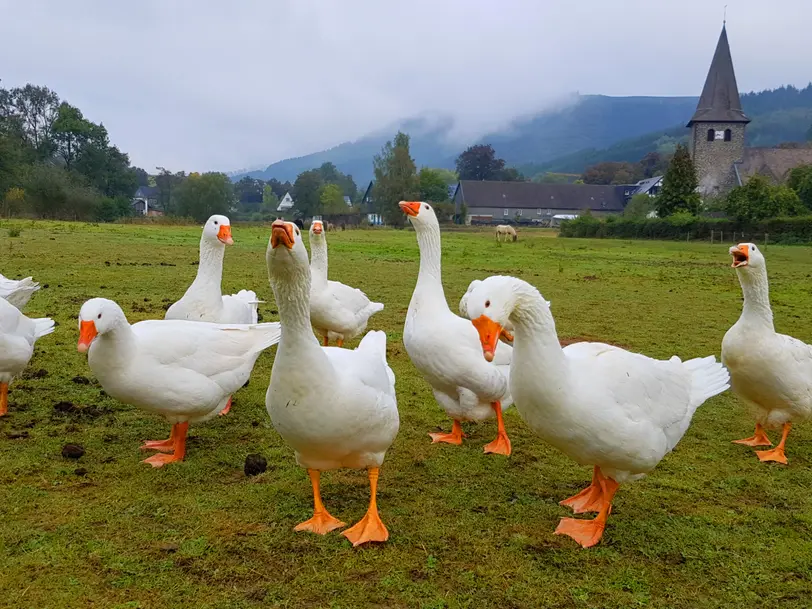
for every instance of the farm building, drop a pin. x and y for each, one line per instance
(145, 201)
(530, 202)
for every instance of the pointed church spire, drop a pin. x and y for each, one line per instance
(720, 101)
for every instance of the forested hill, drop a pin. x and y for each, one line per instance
(596, 128)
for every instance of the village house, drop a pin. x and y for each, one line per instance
(145, 201)
(530, 202)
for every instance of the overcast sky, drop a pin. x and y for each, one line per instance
(205, 84)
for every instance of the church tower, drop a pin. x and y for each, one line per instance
(717, 127)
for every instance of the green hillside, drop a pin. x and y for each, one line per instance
(596, 128)
(779, 115)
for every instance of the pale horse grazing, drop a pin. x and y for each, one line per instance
(506, 230)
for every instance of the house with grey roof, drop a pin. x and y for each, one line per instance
(145, 201)
(718, 127)
(531, 202)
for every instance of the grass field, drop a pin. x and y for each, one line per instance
(711, 527)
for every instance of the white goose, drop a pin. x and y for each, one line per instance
(17, 292)
(335, 407)
(185, 371)
(770, 372)
(17, 336)
(618, 411)
(204, 299)
(337, 311)
(445, 349)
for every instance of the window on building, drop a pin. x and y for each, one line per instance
(711, 135)
(538, 212)
(728, 135)
(518, 212)
(505, 212)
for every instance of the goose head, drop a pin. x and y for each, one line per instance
(490, 305)
(97, 317)
(420, 214)
(218, 230)
(747, 256)
(286, 252)
(316, 228)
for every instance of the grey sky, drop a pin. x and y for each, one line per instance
(201, 85)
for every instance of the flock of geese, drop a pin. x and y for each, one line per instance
(337, 407)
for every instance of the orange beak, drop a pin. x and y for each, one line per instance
(489, 332)
(317, 228)
(507, 336)
(282, 232)
(410, 208)
(741, 255)
(224, 235)
(87, 332)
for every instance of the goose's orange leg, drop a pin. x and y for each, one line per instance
(3, 399)
(227, 408)
(455, 437)
(370, 527)
(321, 522)
(589, 532)
(759, 438)
(777, 453)
(501, 445)
(164, 446)
(505, 335)
(340, 342)
(589, 499)
(326, 340)
(179, 437)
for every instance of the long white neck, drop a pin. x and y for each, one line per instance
(318, 262)
(210, 271)
(429, 288)
(291, 289)
(756, 290)
(534, 329)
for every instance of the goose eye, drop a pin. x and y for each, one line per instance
(98, 316)
(297, 231)
(215, 222)
(487, 303)
(425, 207)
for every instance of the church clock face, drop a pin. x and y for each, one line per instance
(719, 135)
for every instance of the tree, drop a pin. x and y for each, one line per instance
(759, 199)
(12, 203)
(141, 176)
(37, 109)
(202, 195)
(800, 180)
(167, 183)
(432, 186)
(331, 200)
(331, 175)
(279, 189)
(479, 162)
(510, 174)
(71, 132)
(639, 207)
(307, 192)
(612, 172)
(395, 178)
(448, 176)
(678, 192)
(249, 190)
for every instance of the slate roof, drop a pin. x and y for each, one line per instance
(774, 163)
(719, 102)
(147, 192)
(530, 195)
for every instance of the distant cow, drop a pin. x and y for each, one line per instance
(506, 230)
(298, 222)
